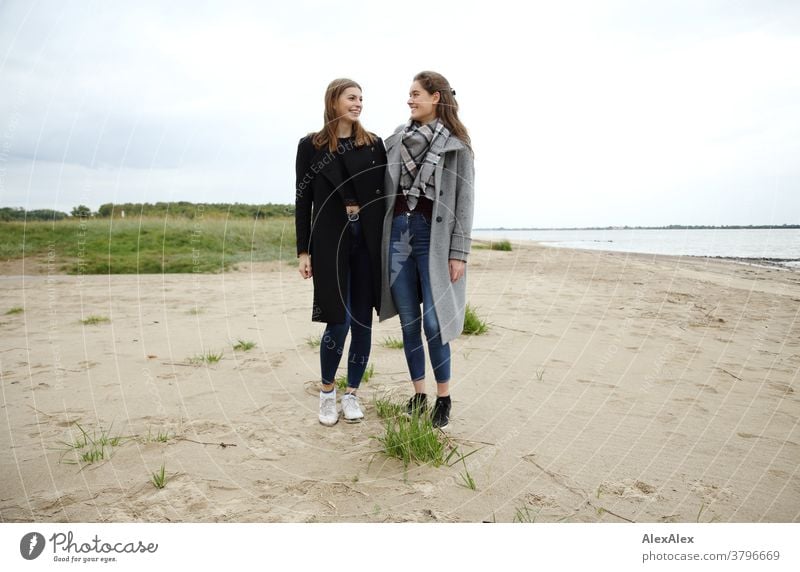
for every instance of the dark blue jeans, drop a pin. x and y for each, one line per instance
(408, 268)
(358, 317)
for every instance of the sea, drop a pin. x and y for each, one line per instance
(772, 247)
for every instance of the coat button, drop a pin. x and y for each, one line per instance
(438, 219)
(441, 193)
(377, 191)
(373, 162)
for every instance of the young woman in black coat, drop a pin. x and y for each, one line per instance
(339, 222)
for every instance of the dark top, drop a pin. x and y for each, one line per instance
(346, 190)
(424, 206)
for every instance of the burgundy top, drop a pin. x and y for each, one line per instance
(424, 206)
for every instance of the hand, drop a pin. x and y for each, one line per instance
(353, 209)
(457, 268)
(304, 266)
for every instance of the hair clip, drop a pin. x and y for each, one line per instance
(453, 91)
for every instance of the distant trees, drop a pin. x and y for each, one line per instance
(181, 209)
(20, 214)
(196, 210)
(81, 210)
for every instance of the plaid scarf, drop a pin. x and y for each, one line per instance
(420, 152)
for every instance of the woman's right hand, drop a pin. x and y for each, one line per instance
(304, 266)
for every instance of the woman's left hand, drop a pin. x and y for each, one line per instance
(456, 269)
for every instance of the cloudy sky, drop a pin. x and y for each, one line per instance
(581, 113)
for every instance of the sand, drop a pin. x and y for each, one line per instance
(609, 387)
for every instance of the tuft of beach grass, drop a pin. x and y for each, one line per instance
(392, 343)
(159, 478)
(94, 320)
(208, 357)
(15, 310)
(243, 345)
(503, 245)
(90, 448)
(341, 381)
(473, 325)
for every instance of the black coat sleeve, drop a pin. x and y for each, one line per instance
(303, 196)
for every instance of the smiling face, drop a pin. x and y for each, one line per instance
(422, 103)
(348, 105)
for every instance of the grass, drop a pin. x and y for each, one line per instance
(341, 381)
(414, 439)
(15, 310)
(149, 245)
(523, 514)
(473, 325)
(314, 341)
(160, 437)
(392, 343)
(94, 320)
(159, 478)
(388, 409)
(92, 448)
(503, 245)
(208, 357)
(243, 345)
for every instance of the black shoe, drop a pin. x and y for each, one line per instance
(419, 403)
(441, 412)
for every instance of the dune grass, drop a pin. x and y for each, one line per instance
(413, 438)
(341, 381)
(15, 310)
(473, 325)
(159, 478)
(91, 448)
(94, 320)
(148, 245)
(243, 345)
(208, 357)
(502, 245)
(392, 343)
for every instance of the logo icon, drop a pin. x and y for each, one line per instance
(31, 545)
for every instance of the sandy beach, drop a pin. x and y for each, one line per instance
(609, 387)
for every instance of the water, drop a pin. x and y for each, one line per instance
(779, 245)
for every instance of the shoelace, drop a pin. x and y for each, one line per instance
(329, 406)
(350, 401)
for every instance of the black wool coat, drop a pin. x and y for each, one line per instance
(321, 218)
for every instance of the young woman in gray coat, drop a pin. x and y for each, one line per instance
(426, 234)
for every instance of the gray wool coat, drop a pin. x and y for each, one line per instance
(451, 230)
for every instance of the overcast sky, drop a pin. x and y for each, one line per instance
(581, 113)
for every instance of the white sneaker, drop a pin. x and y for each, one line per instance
(351, 408)
(328, 415)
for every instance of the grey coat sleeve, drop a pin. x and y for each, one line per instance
(461, 238)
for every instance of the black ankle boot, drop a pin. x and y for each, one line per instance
(441, 412)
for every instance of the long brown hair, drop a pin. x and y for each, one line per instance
(447, 108)
(327, 135)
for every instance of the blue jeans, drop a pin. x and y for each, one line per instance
(408, 273)
(358, 317)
